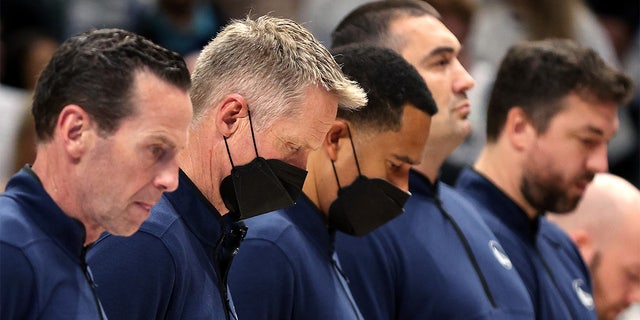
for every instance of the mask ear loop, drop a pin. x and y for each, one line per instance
(255, 148)
(353, 147)
(335, 173)
(354, 156)
(253, 137)
(228, 152)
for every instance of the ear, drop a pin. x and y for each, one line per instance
(584, 242)
(519, 129)
(331, 142)
(231, 108)
(76, 130)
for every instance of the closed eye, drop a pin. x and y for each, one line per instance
(157, 152)
(589, 143)
(394, 167)
(293, 147)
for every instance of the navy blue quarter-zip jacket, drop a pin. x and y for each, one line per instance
(547, 260)
(287, 269)
(437, 260)
(43, 274)
(174, 267)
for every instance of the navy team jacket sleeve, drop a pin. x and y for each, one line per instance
(17, 285)
(261, 281)
(134, 276)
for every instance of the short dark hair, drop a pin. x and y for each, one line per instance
(390, 82)
(96, 70)
(369, 23)
(537, 75)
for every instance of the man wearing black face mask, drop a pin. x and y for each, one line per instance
(357, 181)
(438, 260)
(264, 93)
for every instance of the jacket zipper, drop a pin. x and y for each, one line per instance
(226, 248)
(467, 248)
(92, 284)
(555, 283)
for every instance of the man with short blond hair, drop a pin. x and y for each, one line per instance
(265, 93)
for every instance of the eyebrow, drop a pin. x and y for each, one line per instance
(593, 130)
(163, 140)
(441, 50)
(438, 51)
(405, 159)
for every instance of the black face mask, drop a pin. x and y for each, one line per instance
(261, 185)
(365, 204)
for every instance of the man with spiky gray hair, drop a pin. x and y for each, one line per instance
(265, 93)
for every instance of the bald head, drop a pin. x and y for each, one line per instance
(606, 228)
(608, 203)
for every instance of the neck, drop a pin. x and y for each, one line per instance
(434, 155)
(201, 161)
(491, 163)
(318, 182)
(310, 189)
(57, 179)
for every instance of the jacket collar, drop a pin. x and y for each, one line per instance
(499, 204)
(308, 217)
(68, 233)
(421, 185)
(196, 211)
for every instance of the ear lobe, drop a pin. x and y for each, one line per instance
(73, 127)
(331, 142)
(584, 242)
(519, 129)
(232, 108)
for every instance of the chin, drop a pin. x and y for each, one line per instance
(125, 230)
(465, 126)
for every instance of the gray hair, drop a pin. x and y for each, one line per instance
(271, 62)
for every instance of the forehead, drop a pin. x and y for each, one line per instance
(161, 109)
(408, 142)
(624, 247)
(423, 34)
(318, 111)
(579, 115)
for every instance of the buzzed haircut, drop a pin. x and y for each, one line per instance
(370, 22)
(390, 82)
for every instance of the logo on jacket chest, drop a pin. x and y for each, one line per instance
(583, 295)
(500, 255)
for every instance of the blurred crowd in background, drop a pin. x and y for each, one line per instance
(30, 30)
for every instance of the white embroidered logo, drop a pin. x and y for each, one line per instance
(584, 296)
(500, 255)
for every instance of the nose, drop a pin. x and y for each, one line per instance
(167, 178)
(404, 185)
(597, 161)
(301, 160)
(401, 180)
(463, 81)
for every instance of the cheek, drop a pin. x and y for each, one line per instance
(371, 166)
(611, 281)
(553, 156)
(440, 92)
